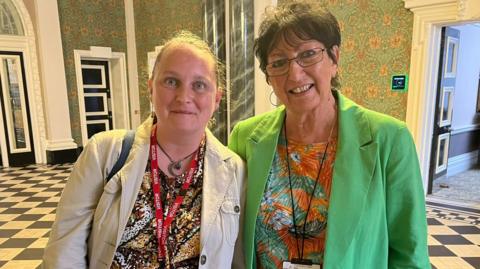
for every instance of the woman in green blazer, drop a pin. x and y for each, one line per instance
(330, 183)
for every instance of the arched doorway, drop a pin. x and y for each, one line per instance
(21, 104)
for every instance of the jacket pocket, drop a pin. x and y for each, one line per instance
(230, 214)
(111, 193)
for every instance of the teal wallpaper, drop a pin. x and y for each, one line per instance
(155, 22)
(376, 44)
(85, 23)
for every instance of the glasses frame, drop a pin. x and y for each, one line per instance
(297, 60)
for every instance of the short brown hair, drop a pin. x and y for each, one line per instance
(301, 19)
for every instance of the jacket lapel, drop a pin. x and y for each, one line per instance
(260, 151)
(216, 181)
(352, 175)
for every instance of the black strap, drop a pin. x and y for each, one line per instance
(126, 146)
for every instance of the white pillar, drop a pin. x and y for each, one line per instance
(132, 64)
(54, 84)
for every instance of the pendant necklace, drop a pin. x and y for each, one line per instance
(175, 166)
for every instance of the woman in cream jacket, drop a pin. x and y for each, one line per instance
(94, 227)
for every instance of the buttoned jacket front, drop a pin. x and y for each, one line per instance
(92, 215)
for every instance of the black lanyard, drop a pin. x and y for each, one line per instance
(300, 254)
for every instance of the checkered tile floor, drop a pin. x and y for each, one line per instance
(29, 195)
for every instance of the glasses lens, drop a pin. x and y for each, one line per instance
(310, 57)
(277, 68)
(304, 59)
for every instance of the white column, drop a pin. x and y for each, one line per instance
(132, 64)
(54, 84)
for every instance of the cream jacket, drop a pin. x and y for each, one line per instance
(91, 215)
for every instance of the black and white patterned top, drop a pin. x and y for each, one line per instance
(138, 246)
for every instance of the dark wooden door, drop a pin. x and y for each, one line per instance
(447, 74)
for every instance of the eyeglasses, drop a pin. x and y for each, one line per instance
(304, 59)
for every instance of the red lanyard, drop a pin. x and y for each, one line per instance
(163, 225)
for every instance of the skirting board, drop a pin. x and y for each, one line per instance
(462, 162)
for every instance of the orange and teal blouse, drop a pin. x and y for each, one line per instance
(274, 233)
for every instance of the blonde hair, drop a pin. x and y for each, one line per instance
(186, 37)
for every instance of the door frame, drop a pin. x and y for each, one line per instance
(27, 45)
(26, 113)
(429, 16)
(117, 72)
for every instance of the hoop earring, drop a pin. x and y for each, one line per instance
(270, 99)
(212, 122)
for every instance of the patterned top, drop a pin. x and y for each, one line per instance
(139, 246)
(274, 232)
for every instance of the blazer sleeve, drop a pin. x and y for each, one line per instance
(406, 217)
(67, 245)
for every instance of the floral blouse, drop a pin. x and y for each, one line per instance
(138, 247)
(274, 231)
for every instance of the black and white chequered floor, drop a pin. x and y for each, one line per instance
(29, 196)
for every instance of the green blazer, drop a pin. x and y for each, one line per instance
(376, 216)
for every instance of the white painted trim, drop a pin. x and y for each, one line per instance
(116, 58)
(104, 121)
(454, 57)
(3, 144)
(27, 45)
(132, 64)
(60, 144)
(428, 18)
(102, 75)
(103, 95)
(121, 61)
(442, 200)
(262, 89)
(462, 162)
(111, 104)
(77, 56)
(443, 137)
(465, 129)
(227, 64)
(10, 129)
(448, 120)
(51, 61)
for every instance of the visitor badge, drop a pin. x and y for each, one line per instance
(299, 265)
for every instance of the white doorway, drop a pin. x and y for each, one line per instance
(459, 178)
(429, 18)
(102, 91)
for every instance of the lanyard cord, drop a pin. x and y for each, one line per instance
(163, 223)
(300, 254)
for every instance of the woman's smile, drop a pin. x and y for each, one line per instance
(301, 89)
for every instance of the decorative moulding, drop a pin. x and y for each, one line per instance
(466, 10)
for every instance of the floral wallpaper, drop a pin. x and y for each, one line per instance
(376, 44)
(155, 22)
(85, 23)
